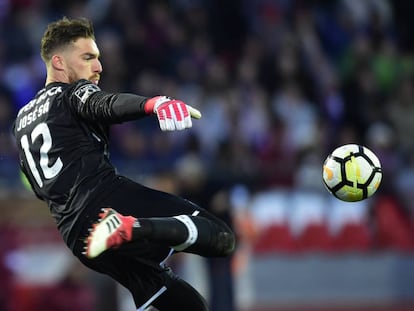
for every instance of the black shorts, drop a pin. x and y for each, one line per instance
(139, 265)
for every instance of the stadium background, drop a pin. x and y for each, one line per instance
(280, 84)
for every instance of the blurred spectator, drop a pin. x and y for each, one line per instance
(9, 176)
(276, 158)
(298, 114)
(400, 109)
(404, 184)
(198, 186)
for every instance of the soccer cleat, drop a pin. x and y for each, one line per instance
(112, 230)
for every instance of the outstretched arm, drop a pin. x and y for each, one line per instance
(94, 104)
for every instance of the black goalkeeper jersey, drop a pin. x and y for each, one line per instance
(62, 137)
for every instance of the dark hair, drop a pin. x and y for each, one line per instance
(64, 32)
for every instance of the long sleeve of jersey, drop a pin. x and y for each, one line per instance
(92, 103)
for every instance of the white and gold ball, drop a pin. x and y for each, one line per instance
(352, 173)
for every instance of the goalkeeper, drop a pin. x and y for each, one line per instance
(112, 224)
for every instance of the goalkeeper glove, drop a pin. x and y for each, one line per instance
(172, 114)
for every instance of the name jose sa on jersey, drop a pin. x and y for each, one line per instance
(36, 108)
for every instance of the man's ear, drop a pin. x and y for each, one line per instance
(57, 62)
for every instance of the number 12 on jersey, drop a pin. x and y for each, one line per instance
(48, 171)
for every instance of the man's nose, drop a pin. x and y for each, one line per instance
(97, 67)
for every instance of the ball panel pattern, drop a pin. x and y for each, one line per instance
(352, 173)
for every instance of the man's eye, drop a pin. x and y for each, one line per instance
(89, 57)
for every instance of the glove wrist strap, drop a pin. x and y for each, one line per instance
(153, 103)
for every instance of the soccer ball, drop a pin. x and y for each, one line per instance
(352, 173)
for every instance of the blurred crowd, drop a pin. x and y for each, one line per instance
(280, 84)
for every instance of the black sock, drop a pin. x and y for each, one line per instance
(168, 230)
(207, 238)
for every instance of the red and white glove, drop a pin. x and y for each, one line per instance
(172, 114)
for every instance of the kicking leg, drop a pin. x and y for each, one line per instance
(206, 236)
